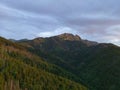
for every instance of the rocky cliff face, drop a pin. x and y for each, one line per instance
(71, 37)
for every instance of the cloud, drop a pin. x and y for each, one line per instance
(96, 20)
(57, 32)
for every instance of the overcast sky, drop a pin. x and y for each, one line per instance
(97, 20)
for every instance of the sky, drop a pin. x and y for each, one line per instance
(96, 20)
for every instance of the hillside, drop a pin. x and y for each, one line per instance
(96, 64)
(22, 70)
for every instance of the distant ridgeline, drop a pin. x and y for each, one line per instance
(63, 62)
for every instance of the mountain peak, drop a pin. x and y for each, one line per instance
(68, 36)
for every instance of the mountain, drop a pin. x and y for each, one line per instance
(62, 62)
(22, 70)
(97, 65)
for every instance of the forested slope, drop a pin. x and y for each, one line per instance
(21, 70)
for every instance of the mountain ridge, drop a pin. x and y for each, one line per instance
(95, 65)
(66, 37)
(17, 64)
(81, 58)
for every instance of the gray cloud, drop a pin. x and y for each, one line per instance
(96, 20)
